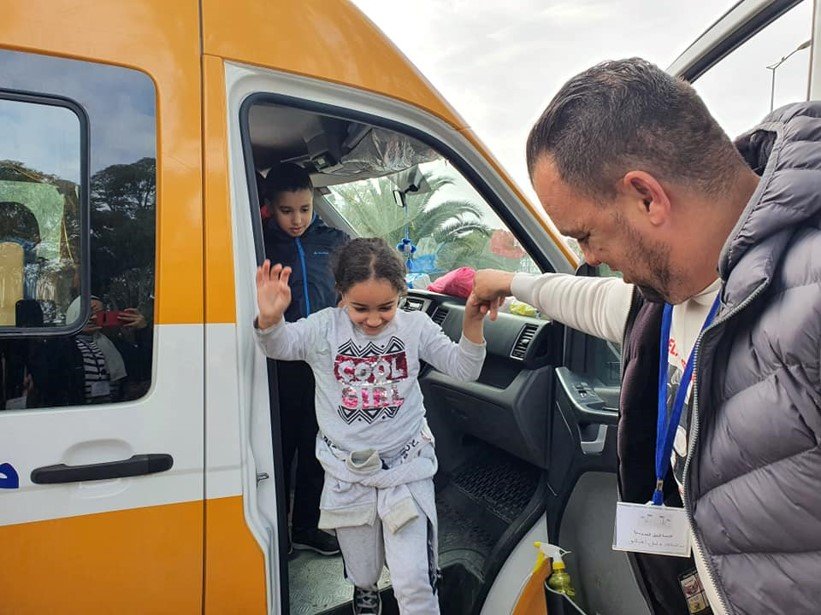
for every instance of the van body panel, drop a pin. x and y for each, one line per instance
(105, 563)
(331, 41)
(235, 580)
(125, 545)
(132, 543)
(236, 544)
(163, 421)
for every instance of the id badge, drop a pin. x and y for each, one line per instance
(644, 528)
(100, 388)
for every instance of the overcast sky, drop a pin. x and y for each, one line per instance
(499, 63)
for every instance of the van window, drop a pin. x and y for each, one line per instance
(768, 71)
(447, 221)
(40, 181)
(372, 181)
(44, 177)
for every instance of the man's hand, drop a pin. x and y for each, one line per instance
(273, 293)
(490, 287)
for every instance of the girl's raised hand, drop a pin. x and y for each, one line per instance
(273, 293)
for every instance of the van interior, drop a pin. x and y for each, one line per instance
(492, 435)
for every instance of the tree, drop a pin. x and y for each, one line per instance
(127, 188)
(122, 198)
(433, 225)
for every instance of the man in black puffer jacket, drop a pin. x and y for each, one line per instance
(296, 237)
(628, 160)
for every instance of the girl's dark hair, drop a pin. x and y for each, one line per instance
(366, 258)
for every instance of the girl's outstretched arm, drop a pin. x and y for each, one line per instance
(278, 339)
(462, 361)
(474, 319)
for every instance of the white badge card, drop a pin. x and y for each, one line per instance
(645, 528)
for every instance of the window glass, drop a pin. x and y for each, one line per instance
(41, 167)
(768, 71)
(446, 220)
(39, 213)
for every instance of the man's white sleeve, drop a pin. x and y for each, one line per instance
(596, 306)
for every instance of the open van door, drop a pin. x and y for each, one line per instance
(581, 504)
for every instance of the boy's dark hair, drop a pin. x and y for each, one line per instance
(285, 177)
(366, 258)
(629, 114)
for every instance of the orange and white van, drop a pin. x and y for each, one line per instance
(140, 458)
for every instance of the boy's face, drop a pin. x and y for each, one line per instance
(293, 211)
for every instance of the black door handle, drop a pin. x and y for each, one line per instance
(135, 466)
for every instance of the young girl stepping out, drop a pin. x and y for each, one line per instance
(373, 442)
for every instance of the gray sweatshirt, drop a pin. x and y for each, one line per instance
(367, 389)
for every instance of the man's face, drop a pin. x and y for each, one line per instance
(607, 233)
(293, 211)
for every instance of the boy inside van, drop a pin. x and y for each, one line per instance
(296, 237)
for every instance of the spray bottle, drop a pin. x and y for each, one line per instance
(533, 599)
(559, 580)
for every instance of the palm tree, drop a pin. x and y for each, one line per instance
(370, 208)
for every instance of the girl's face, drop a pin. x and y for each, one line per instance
(371, 305)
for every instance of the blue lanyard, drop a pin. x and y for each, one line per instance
(666, 430)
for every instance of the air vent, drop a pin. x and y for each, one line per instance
(526, 336)
(413, 304)
(439, 315)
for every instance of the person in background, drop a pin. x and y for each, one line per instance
(297, 238)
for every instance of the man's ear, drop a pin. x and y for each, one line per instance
(647, 194)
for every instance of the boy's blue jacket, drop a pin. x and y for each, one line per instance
(311, 282)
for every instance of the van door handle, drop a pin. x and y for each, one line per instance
(137, 465)
(595, 446)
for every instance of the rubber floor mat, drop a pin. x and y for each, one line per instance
(500, 482)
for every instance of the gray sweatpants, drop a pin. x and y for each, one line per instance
(412, 558)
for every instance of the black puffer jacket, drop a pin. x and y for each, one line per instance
(753, 474)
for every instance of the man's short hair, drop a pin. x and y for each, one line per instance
(627, 115)
(285, 177)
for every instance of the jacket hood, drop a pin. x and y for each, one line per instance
(785, 150)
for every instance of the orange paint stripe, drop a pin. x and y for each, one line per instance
(220, 303)
(235, 567)
(143, 560)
